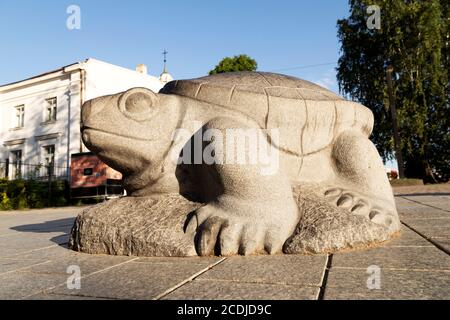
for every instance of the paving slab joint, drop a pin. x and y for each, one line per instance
(323, 282)
(424, 204)
(437, 245)
(191, 278)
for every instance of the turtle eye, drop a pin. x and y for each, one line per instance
(138, 103)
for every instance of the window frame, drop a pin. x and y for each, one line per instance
(19, 118)
(16, 165)
(50, 110)
(50, 166)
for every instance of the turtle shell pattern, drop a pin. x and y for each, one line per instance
(305, 117)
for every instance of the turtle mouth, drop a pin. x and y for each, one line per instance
(109, 150)
(86, 129)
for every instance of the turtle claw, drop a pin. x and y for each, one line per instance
(223, 231)
(377, 211)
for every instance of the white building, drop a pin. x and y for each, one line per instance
(40, 116)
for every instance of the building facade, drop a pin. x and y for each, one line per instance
(40, 116)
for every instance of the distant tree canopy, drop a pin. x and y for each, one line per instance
(412, 39)
(237, 63)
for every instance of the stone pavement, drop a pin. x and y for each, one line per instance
(34, 261)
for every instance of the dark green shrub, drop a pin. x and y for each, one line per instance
(20, 194)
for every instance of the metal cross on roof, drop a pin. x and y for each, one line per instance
(165, 59)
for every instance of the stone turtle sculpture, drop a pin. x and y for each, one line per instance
(329, 190)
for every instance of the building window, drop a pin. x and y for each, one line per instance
(16, 156)
(49, 159)
(20, 116)
(50, 110)
(88, 171)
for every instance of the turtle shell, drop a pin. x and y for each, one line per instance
(302, 117)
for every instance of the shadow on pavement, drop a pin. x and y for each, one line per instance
(61, 225)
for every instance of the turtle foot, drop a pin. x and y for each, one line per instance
(231, 225)
(378, 211)
(336, 219)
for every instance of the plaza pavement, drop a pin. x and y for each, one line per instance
(34, 259)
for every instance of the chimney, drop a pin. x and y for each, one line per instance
(141, 68)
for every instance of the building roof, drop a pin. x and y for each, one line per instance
(53, 73)
(42, 75)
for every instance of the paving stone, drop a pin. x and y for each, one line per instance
(32, 261)
(51, 252)
(438, 201)
(18, 285)
(135, 280)
(431, 228)
(43, 296)
(87, 264)
(10, 265)
(191, 260)
(436, 189)
(399, 200)
(6, 252)
(18, 218)
(409, 238)
(281, 269)
(421, 212)
(3, 235)
(55, 225)
(443, 243)
(407, 205)
(40, 276)
(431, 197)
(423, 258)
(352, 284)
(30, 241)
(230, 290)
(55, 210)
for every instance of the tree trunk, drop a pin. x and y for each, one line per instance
(429, 176)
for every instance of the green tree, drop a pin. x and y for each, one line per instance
(412, 38)
(237, 63)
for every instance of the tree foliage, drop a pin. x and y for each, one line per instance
(20, 194)
(412, 39)
(237, 63)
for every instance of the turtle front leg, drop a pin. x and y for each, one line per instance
(256, 211)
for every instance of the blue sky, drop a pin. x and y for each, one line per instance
(280, 35)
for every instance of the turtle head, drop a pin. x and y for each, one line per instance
(130, 131)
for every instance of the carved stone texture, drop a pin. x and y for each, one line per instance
(135, 226)
(239, 143)
(144, 226)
